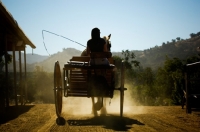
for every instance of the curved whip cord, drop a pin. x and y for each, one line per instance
(58, 36)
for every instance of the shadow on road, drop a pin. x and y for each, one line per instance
(109, 122)
(13, 112)
(196, 109)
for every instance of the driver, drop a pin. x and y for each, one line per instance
(97, 44)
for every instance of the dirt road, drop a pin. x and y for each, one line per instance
(41, 118)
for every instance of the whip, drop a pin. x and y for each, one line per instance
(58, 36)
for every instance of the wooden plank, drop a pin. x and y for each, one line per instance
(78, 87)
(79, 84)
(80, 58)
(78, 76)
(87, 59)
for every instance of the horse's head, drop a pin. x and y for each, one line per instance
(107, 38)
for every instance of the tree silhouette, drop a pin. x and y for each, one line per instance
(178, 38)
(129, 57)
(192, 35)
(3, 56)
(173, 40)
(163, 43)
(198, 34)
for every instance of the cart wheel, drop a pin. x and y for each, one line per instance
(57, 89)
(60, 121)
(122, 90)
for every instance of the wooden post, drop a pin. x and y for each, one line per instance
(6, 72)
(20, 79)
(25, 81)
(188, 107)
(14, 68)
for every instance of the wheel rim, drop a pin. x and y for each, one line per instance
(122, 89)
(58, 89)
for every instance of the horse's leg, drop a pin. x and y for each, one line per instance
(93, 109)
(103, 109)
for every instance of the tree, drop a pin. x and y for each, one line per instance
(144, 86)
(163, 44)
(130, 72)
(129, 57)
(7, 57)
(198, 34)
(173, 40)
(117, 61)
(40, 86)
(174, 69)
(192, 35)
(178, 38)
(129, 62)
(162, 87)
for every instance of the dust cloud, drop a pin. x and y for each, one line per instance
(83, 105)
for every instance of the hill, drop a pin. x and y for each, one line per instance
(62, 57)
(152, 57)
(182, 49)
(30, 58)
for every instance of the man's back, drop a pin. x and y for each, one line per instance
(96, 45)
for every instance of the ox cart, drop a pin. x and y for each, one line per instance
(78, 79)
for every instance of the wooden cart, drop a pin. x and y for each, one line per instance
(77, 78)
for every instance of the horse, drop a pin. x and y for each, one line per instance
(84, 53)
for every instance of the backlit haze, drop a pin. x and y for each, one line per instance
(134, 24)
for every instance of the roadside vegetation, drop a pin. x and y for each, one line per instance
(155, 76)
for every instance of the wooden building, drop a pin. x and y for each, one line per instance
(14, 41)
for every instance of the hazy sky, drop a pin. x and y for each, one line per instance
(134, 24)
